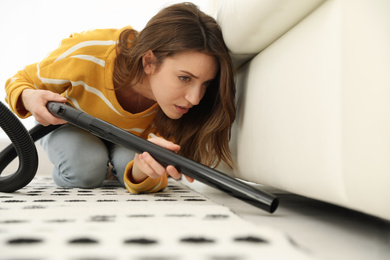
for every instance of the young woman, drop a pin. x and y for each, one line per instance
(173, 79)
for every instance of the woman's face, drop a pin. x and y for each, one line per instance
(180, 82)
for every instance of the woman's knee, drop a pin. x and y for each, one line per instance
(80, 159)
(81, 175)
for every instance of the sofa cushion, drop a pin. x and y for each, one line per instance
(313, 109)
(249, 26)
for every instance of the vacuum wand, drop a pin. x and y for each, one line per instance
(195, 170)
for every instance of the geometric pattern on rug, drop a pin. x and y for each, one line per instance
(42, 221)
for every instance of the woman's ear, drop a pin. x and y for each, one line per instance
(149, 62)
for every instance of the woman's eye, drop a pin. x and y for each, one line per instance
(207, 83)
(184, 78)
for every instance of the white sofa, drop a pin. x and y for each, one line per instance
(313, 97)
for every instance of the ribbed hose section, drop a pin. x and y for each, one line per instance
(25, 149)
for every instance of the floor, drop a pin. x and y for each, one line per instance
(324, 230)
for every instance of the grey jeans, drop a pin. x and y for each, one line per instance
(81, 160)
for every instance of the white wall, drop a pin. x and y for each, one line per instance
(30, 29)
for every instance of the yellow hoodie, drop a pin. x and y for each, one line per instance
(81, 69)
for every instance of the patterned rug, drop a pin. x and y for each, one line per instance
(42, 221)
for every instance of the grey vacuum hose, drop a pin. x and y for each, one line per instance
(22, 146)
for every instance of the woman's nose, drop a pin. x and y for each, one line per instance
(194, 95)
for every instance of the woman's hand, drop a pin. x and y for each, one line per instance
(35, 101)
(146, 166)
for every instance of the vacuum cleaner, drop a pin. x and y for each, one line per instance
(23, 146)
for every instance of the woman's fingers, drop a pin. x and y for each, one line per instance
(146, 164)
(189, 179)
(150, 166)
(35, 101)
(154, 169)
(164, 143)
(173, 172)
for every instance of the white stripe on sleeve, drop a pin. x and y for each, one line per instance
(90, 58)
(82, 45)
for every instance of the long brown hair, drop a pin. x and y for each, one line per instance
(204, 132)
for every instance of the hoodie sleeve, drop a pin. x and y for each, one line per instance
(149, 185)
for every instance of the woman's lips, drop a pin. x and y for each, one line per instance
(182, 110)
